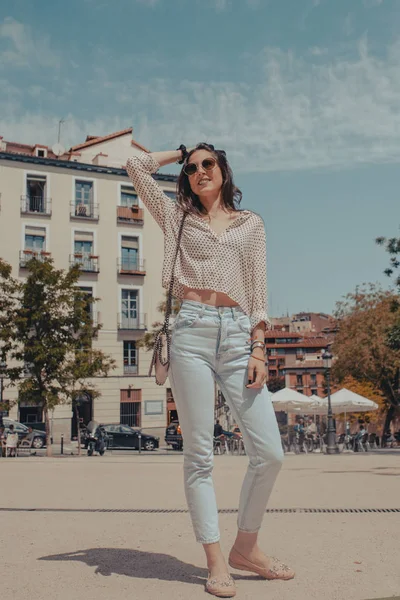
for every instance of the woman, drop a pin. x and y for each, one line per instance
(218, 335)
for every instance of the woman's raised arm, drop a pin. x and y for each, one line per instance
(140, 169)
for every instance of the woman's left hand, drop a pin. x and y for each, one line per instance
(257, 372)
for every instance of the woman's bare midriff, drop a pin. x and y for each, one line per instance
(210, 297)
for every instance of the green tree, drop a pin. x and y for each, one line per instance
(276, 383)
(364, 319)
(392, 247)
(148, 340)
(46, 336)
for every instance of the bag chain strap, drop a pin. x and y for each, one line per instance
(165, 327)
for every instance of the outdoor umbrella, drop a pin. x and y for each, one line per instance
(289, 400)
(345, 401)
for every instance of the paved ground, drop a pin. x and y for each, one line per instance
(86, 531)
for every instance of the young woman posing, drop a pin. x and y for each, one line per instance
(220, 275)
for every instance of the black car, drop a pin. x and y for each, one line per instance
(123, 437)
(173, 436)
(39, 439)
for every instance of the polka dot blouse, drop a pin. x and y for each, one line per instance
(232, 262)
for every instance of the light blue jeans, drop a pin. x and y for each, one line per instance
(213, 343)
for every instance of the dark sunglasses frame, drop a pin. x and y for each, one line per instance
(196, 168)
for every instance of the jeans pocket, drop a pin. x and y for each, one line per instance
(244, 324)
(186, 320)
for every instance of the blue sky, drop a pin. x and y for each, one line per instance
(304, 95)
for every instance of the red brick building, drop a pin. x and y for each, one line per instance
(297, 358)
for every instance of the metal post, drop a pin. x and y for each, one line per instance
(140, 443)
(62, 443)
(331, 447)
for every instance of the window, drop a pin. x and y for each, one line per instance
(313, 379)
(84, 199)
(130, 358)
(299, 379)
(281, 350)
(300, 391)
(314, 392)
(35, 199)
(129, 253)
(272, 352)
(88, 292)
(41, 152)
(129, 308)
(128, 197)
(35, 239)
(84, 251)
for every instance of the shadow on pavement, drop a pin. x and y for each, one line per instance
(135, 563)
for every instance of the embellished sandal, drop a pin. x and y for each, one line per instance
(276, 570)
(222, 587)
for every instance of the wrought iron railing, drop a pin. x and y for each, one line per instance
(26, 255)
(127, 322)
(88, 263)
(85, 211)
(131, 267)
(36, 205)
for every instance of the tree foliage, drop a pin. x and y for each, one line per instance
(148, 340)
(362, 348)
(392, 247)
(276, 383)
(46, 334)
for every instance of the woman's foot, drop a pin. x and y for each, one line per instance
(220, 582)
(222, 586)
(255, 561)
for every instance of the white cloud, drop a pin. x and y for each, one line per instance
(300, 114)
(20, 47)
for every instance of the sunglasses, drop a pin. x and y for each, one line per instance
(208, 164)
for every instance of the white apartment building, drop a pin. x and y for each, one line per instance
(78, 206)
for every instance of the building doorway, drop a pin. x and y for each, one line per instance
(172, 413)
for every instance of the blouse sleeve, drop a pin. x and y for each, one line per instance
(140, 169)
(259, 311)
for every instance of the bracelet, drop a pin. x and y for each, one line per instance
(185, 153)
(257, 344)
(256, 357)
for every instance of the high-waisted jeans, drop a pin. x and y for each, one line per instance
(213, 343)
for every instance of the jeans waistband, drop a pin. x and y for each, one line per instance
(235, 311)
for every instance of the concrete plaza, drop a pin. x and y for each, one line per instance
(117, 527)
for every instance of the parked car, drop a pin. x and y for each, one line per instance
(39, 439)
(123, 437)
(173, 436)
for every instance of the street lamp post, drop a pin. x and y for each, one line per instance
(331, 447)
(2, 367)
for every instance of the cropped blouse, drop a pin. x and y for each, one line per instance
(232, 262)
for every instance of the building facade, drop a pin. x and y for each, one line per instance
(79, 207)
(297, 359)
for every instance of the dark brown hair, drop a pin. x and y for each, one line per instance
(231, 196)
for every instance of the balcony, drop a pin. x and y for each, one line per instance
(130, 214)
(36, 205)
(131, 267)
(87, 212)
(127, 323)
(130, 369)
(86, 263)
(26, 255)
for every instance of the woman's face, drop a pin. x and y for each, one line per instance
(205, 183)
